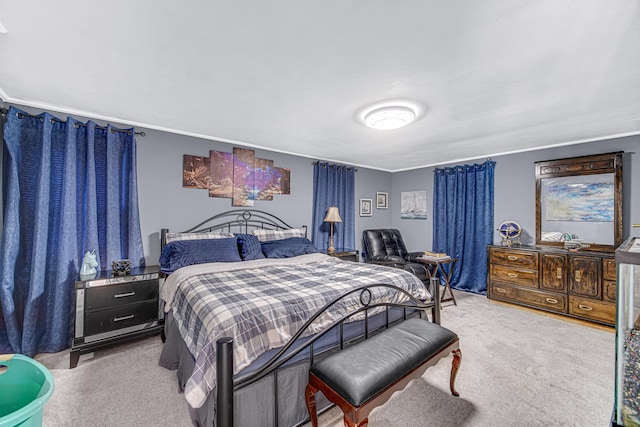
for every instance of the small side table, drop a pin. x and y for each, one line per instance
(435, 265)
(113, 309)
(345, 254)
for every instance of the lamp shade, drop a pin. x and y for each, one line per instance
(332, 215)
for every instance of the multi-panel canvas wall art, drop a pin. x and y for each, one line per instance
(239, 176)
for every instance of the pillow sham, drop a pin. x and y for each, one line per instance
(181, 253)
(172, 237)
(249, 247)
(269, 235)
(289, 247)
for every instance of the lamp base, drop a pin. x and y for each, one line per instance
(331, 250)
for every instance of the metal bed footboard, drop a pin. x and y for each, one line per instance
(226, 386)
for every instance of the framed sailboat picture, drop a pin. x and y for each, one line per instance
(413, 205)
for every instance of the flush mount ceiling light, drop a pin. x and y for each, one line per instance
(389, 117)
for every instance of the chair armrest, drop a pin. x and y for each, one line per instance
(388, 260)
(411, 256)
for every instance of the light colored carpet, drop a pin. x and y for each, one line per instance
(519, 368)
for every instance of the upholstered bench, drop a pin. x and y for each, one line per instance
(366, 374)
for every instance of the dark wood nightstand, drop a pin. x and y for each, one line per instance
(112, 309)
(345, 254)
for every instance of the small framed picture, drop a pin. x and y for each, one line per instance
(365, 207)
(382, 200)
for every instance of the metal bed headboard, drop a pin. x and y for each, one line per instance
(236, 221)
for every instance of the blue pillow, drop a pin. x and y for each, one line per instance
(286, 248)
(181, 253)
(249, 246)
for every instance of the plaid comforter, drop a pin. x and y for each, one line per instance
(262, 303)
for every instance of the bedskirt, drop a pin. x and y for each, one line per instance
(254, 404)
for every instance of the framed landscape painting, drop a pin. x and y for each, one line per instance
(413, 205)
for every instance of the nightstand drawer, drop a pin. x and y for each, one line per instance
(101, 297)
(100, 321)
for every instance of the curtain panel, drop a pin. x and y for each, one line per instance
(463, 221)
(68, 187)
(333, 185)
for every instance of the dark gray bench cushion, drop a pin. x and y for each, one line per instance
(361, 371)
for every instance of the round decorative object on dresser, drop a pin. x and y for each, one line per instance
(510, 231)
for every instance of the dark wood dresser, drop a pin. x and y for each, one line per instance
(577, 284)
(112, 309)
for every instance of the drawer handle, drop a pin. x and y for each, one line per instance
(512, 258)
(118, 319)
(585, 307)
(551, 300)
(126, 294)
(559, 273)
(578, 275)
(501, 290)
(514, 275)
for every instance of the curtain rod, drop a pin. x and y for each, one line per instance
(334, 164)
(488, 160)
(4, 112)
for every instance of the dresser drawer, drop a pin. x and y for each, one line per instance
(600, 311)
(609, 269)
(513, 258)
(100, 321)
(100, 297)
(532, 297)
(609, 291)
(514, 276)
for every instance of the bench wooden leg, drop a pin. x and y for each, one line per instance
(457, 358)
(309, 394)
(350, 423)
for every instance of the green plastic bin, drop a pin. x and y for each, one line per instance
(25, 386)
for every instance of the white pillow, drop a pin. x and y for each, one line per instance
(268, 235)
(195, 236)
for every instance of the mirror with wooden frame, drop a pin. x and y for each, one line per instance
(579, 202)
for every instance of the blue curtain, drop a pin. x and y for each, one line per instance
(68, 187)
(463, 221)
(333, 185)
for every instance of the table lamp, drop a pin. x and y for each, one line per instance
(332, 216)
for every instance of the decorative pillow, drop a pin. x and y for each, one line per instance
(171, 237)
(269, 235)
(286, 248)
(249, 247)
(181, 253)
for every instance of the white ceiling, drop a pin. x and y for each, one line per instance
(488, 76)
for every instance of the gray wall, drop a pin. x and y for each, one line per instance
(515, 189)
(368, 182)
(416, 233)
(165, 204)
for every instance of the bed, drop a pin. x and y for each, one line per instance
(249, 302)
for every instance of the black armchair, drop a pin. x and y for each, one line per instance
(386, 247)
